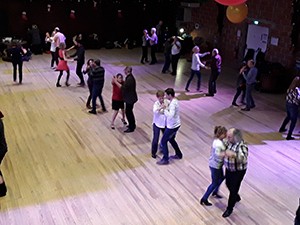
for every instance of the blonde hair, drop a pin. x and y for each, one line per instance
(160, 93)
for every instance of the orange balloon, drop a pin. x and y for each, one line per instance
(237, 13)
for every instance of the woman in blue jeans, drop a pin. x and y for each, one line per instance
(292, 105)
(215, 164)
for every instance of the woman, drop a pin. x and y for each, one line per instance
(88, 71)
(195, 69)
(16, 52)
(62, 65)
(216, 161)
(292, 105)
(49, 39)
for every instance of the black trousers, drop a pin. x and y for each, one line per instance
(19, 66)
(212, 87)
(233, 183)
(54, 59)
(153, 57)
(130, 116)
(239, 90)
(79, 71)
(175, 59)
(144, 54)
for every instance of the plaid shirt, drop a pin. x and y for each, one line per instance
(240, 161)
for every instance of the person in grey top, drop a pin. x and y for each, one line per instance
(250, 78)
(144, 47)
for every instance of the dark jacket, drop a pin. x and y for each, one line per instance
(80, 55)
(129, 90)
(15, 53)
(98, 75)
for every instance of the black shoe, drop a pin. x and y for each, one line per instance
(216, 195)
(238, 198)
(205, 202)
(67, 84)
(227, 213)
(245, 109)
(93, 112)
(142, 62)
(58, 85)
(175, 157)
(234, 104)
(128, 130)
(153, 156)
(290, 138)
(162, 162)
(3, 189)
(187, 90)
(281, 130)
(209, 95)
(252, 107)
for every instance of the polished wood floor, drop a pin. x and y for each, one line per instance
(65, 166)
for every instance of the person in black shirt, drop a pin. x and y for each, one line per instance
(79, 57)
(16, 52)
(98, 83)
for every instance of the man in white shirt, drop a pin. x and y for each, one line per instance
(172, 125)
(175, 52)
(153, 44)
(58, 38)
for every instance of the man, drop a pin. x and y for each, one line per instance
(80, 58)
(3, 150)
(175, 51)
(153, 45)
(235, 161)
(130, 97)
(172, 126)
(250, 78)
(98, 83)
(216, 62)
(58, 38)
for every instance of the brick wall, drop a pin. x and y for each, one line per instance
(276, 15)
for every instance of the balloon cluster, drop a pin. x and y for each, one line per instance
(237, 10)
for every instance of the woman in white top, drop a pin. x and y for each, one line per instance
(159, 120)
(216, 161)
(195, 69)
(50, 39)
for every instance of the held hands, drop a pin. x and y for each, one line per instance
(230, 154)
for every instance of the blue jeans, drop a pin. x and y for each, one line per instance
(249, 99)
(193, 72)
(169, 136)
(156, 131)
(217, 177)
(292, 115)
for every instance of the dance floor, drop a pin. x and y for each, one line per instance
(66, 166)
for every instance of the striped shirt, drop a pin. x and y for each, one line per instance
(239, 162)
(293, 96)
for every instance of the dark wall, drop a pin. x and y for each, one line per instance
(103, 20)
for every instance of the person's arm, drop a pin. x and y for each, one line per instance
(203, 54)
(200, 63)
(115, 81)
(170, 111)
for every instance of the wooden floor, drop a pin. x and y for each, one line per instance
(65, 166)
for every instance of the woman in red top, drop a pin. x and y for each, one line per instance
(117, 101)
(62, 64)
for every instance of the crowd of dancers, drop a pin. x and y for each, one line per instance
(228, 148)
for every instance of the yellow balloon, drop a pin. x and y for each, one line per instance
(237, 13)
